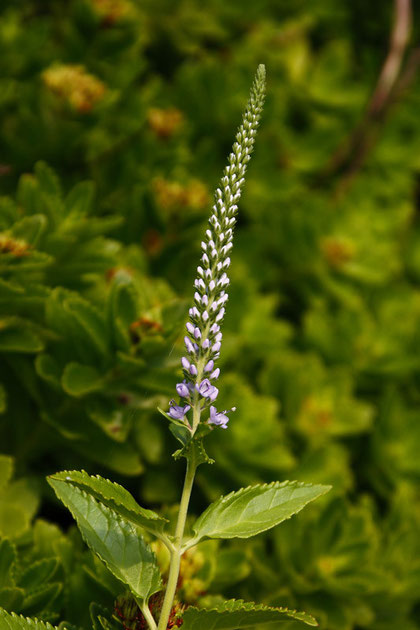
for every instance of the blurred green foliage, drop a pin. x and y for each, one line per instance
(115, 120)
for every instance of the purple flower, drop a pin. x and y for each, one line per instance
(214, 394)
(177, 412)
(185, 363)
(183, 390)
(188, 344)
(207, 390)
(215, 374)
(219, 418)
(209, 366)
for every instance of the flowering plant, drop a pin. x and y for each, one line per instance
(115, 526)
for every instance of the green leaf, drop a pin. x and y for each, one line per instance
(20, 340)
(75, 425)
(102, 618)
(235, 614)
(11, 598)
(90, 320)
(255, 509)
(115, 497)
(41, 598)
(79, 380)
(193, 450)
(6, 470)
(17, 622)
(38, 573)
(8, 558)
(13, 520)
(79, 200)
(48, 179)
(30, 229)
(47, 368)
(232, 566)
(115, 540)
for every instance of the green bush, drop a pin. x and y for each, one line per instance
(115, 119)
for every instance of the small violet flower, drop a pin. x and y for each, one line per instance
(207, 390)
(182, 390)
(219, 418)
(177, 412)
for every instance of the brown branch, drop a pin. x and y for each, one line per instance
(392, 65)
(349, 158)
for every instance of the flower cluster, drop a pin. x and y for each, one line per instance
(203, 339)
(74, 86)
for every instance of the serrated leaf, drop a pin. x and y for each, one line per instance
(79, 380)
(255, 509)
(41, 598)
(115, 497)
(236, 614)
(115, 540)
(38, 573)
(11, 621)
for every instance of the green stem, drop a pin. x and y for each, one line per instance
(149, 617)
(177, 552)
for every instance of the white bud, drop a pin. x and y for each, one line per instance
(220, 314)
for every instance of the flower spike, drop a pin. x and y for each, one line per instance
(203, 339)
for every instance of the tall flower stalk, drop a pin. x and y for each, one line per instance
(203, 339)
(112, 522)
(197, 391)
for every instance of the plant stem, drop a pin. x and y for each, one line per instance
(177, 552)
(149, 617)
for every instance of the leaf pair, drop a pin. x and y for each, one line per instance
(231, 615)
(110, 520)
